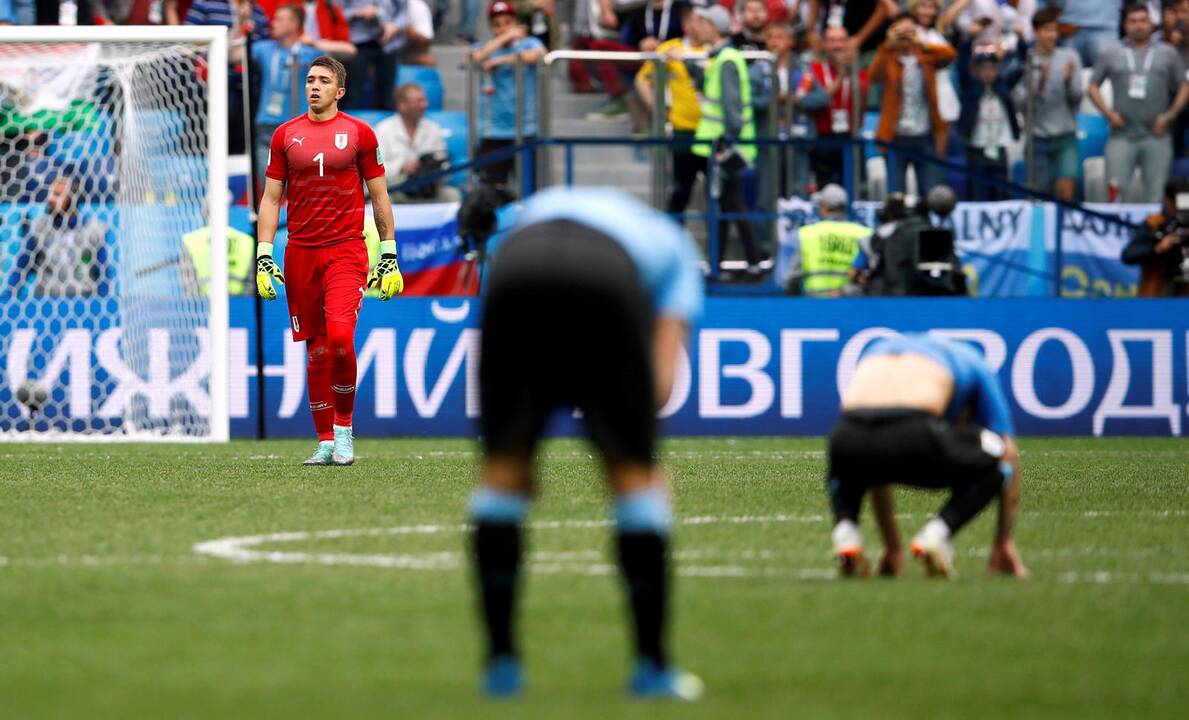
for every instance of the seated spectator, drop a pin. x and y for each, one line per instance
(378, 33)
(1093, 26)
(834, 75)
(497, 103)
(1144, 76)
(988, 124)
(420, 35)
(1056, 93)
(413, 145)
(66, 254)
(658, 21)
(596, 27)
(909, 116)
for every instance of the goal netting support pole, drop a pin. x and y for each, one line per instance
(113, 234)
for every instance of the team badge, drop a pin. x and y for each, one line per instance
(340, 141)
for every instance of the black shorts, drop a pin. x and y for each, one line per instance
(910, 447)
(567, 323)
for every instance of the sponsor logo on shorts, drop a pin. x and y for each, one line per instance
(296, 324)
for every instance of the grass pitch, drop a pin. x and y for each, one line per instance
(106, 610)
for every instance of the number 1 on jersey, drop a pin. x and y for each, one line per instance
(319, 158)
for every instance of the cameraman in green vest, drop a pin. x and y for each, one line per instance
(827, 249)
(726, 124)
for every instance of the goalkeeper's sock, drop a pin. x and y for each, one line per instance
(497, 548)
(342, 349)
(318, 384)
(642, 520)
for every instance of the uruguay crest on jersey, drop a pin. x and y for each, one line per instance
(340, 140)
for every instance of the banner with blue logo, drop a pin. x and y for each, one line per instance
(762, 366)
(753, 367)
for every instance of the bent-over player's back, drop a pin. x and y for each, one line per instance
(904, 380)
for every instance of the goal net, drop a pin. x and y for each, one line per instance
(113, 144)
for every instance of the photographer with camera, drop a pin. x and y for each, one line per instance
(413, 146)
(1161, 245)
(908, 255)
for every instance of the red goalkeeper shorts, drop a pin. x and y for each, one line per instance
(324, 284)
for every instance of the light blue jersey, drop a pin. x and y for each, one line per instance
(975, 387)
(663, 252)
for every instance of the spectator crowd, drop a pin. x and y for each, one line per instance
(982, 84)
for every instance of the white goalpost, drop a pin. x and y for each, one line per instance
(113, 174)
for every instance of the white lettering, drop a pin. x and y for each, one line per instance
(380, 348)
(72, 354)
(159, 388)
(682, 382)
(1023, 374)
(848, 360)
(238, 372)
(1162, 405)
(994, 348)
(416, 356)
(791, 367)
(293, 374)
(752, 371)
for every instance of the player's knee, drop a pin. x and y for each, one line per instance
(341, 339)
(644, 511)
(317, 354)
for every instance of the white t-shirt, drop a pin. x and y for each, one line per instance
(421, 18)
(914, 113)
(993, 129)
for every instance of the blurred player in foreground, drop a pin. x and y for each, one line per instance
(320, 159)
(588, 303)
(925, 412)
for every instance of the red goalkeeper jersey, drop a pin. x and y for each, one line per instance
(324, 165)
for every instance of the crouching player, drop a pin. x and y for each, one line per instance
(925, 412)
(588, 302)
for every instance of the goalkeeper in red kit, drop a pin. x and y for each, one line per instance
(320, 159)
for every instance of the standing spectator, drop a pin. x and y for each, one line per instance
(282, 63)
(1176, 33)
(657, 22)
(18, 12)
(725, 126)
(753, 15)
(986, 20)
(865, 20)
(67, 254)
(795, 94)
(778, 11)
(412, 145)
(909, 116)
(835, 121)
(1057, 90)
(325, 27)
(420, 35)
(683, 112)
(468, 21)
(377, 31)
(498, 56)
(1144, 75)
(1095, 25)
(242, 17)
(988, 124)
(931, 29)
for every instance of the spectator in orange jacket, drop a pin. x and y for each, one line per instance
(909, 117)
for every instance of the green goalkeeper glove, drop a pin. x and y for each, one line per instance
(386, 275)
(266, 272)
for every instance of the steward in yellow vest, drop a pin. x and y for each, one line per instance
(241, 260)
(829, 247)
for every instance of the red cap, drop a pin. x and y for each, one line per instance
(500, 7)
